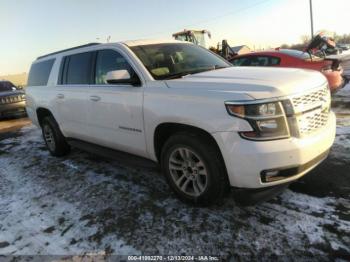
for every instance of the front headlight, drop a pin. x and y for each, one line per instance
(268, 120)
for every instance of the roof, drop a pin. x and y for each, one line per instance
(189, 31)
(128, 43)
(68, 49)
(150, 42)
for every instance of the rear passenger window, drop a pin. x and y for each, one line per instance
(39, 73)
(77, 69)
(265, 61)
(109, 60)
(242, 61)
(274, 60)
(256, 61)
(262, 61)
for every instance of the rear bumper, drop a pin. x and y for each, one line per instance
(246, 161)
(13, 109)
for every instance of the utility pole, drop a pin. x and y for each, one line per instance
(312, 20)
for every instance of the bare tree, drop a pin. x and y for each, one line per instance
(305, 39)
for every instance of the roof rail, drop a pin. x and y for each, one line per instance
(68, 49)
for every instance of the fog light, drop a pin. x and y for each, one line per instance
(270, 176)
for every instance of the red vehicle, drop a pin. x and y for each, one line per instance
(293, 58)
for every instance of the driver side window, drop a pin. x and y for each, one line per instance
(109, 60)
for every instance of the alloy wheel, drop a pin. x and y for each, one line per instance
(49, 137)
(188, 171)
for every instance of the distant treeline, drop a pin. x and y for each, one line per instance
(344, 39)
(16, 79)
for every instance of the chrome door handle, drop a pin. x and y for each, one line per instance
(95, 98)
(60, 96)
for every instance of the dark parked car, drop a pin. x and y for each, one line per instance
(333, 51)
(343, 47)
(12, 100)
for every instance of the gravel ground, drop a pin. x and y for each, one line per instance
(83, 204)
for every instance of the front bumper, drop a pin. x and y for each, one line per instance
(246, 160)
(13, 109)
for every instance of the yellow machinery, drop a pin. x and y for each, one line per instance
(198, 37)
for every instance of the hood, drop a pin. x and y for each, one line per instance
(319, 41)
(11, 93)
(254, 82)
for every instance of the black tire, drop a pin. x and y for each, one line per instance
(216, 185)
(57, 144)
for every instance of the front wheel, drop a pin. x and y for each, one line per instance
(194, 169)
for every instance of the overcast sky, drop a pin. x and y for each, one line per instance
(29, 28)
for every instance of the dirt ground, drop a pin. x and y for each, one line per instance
(10, 125)
(83, 203)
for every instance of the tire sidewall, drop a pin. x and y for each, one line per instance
(47, 124)
(61, 146)
(211, 165)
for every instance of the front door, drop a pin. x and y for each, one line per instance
(115, 111)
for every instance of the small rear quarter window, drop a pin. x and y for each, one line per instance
(39, 73)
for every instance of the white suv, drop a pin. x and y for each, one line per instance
(208, 124)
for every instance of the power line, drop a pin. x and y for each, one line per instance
(208, 20)
(229, 13)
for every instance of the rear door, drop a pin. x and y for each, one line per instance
(72, 94)
(115, 111)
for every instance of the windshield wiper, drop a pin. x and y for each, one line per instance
(191, 72)
(178, 75)
(219, 67)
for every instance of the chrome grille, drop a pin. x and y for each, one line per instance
(312, 121)
(309, 100)
(311, 110)
(11, 99)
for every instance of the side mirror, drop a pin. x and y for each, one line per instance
(116, 76)
(121, 77)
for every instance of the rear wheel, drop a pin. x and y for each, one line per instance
(194, 169)
(54, 139)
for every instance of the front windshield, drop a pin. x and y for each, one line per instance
(174, 60)
(200, 37)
